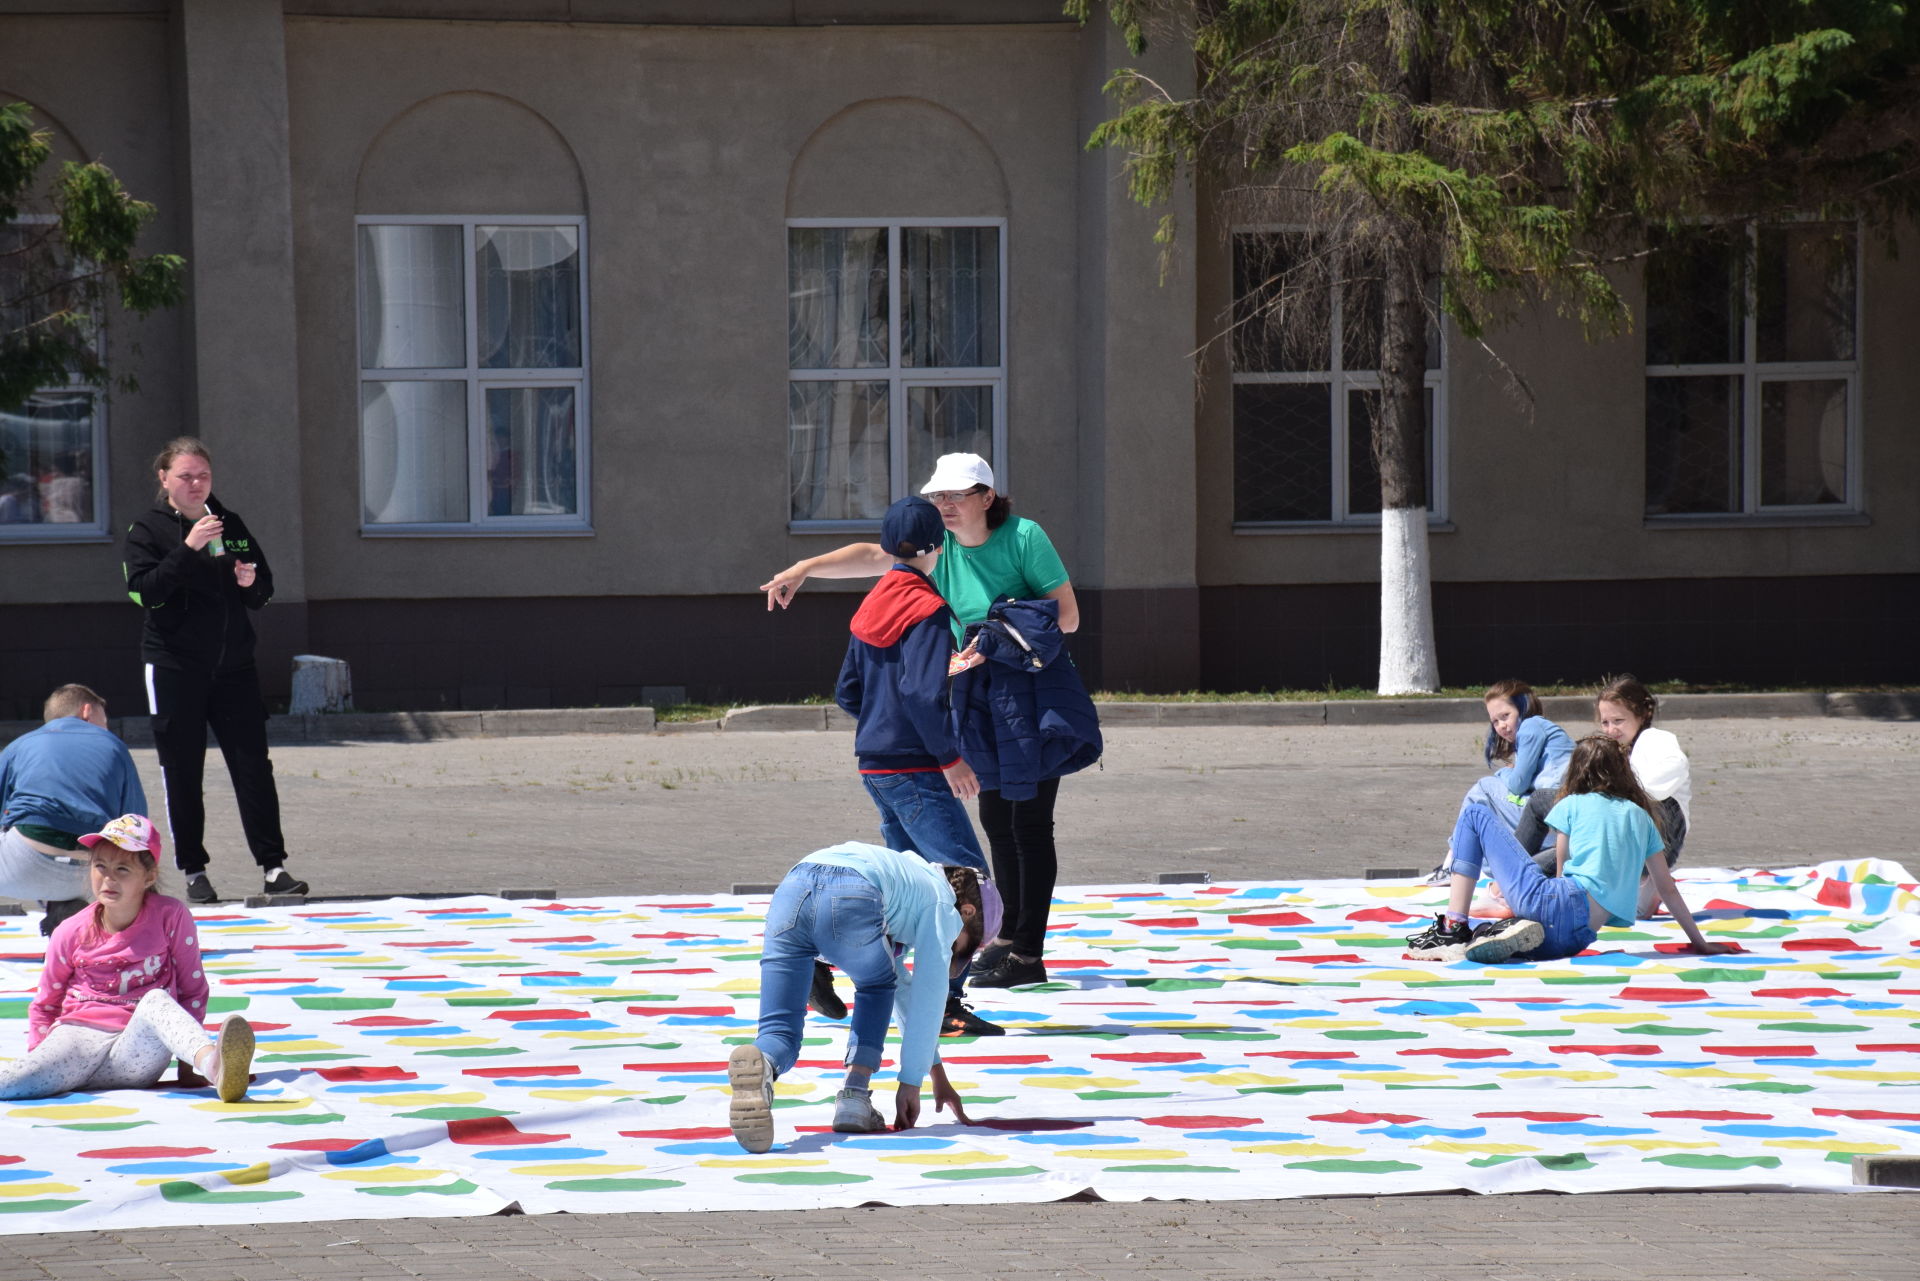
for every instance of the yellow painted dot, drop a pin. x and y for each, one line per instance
(1648, 1145)
(440, 1042)
(385, 1174)
(1080, 1082)
(1716, 1074)
(1476, 1020)
(1397, 1078)
(1298, 1149)
(759, 1163)
(1829, 1145)
(36, 1189)
(1611, 1017)
(1558, 1074)
(1241, 1079)
(554, 1168)
(71, 1112)
(1491, 1149)
(426, 1098)
(258, 1173)
(1123, 1154)
(944, 1158)
(581, 1094)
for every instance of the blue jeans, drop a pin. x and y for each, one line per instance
(1557, 903)
(919, 814)
(836, 914)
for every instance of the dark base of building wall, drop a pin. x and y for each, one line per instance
(611, 651)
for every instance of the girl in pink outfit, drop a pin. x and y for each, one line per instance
(122, 994)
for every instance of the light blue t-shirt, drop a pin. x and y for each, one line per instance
(917, 912)
(1608, 842)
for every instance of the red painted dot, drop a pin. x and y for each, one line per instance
(1200, 1122)
(129, 1154)
(495, 1131)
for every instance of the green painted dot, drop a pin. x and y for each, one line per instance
(36, 1207)
(1292, 1089)
(1217, 1035)
(1372, 1034)
(106, 1125)
(459, 1187)
(453, 1114)
(1667, 1029)
(340, 1002)
(1720, 974)
(614, 1185)
(226, 1004)
(997, 1172)
(801, 1178)
(1425, 983)
(1428, 1085)
(492, 1002)
(1581, 980)
(305, 1058)
(1338, 1166)
(1771, 1087)
(193, 1193)
(1102, 1095)
(285, 1118)
(1815, 1027)
(1258, 945)
(1561, 1161)
(1178, 985)
(472, 1052)
(1529, 1031)
(1701, 1161)
(1174, 1169)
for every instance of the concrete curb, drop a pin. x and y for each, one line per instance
(420, 727)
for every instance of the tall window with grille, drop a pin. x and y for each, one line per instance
(895, 355)
(1305, 350)
(53, 446)
(1753, 371)
(473, 375)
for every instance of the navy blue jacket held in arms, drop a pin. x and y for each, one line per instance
(1023, 716)
(894, 679)
(196, 613)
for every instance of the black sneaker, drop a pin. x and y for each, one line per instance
(200, 889)
(281, 881)
(59, 910)
(1497, 940)
(1440, 877)
(825, 1001)
(1439, 935)
(962, 1021)
(989, 956)
(1012, 972)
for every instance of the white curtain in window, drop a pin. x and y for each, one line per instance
(837, 297)
(413, 442)
(412, 298)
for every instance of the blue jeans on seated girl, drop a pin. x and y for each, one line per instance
(1557, 903)
(836, 914)
(920, 814)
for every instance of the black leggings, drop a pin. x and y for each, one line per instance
(1020, 838)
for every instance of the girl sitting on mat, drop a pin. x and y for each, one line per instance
(1534, 751)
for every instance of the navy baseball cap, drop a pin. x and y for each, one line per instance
(914, 521)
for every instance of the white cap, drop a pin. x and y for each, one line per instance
(958, 471)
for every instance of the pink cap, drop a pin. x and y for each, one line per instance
(129, 832)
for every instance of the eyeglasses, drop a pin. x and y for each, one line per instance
(948, 497)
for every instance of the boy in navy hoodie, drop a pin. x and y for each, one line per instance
(894, 683)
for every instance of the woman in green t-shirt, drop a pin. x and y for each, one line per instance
(989, 555)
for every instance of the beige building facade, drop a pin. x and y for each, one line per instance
(530, 336)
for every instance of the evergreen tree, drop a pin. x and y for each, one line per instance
(64, 252)
(1513, 151)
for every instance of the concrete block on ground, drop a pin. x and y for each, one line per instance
(275, 900)
(1392, 873)
(320, 684)
(1406, 711)
(776, 718)
(528, 722)
(1128, 713)
(1692, 706)
(753, 887)
(1183, 878)
(1275, 713)
(1889, 1170)
(407, 727)
(1903, 705)
(526, 894)
(837, 719)
(687, 727)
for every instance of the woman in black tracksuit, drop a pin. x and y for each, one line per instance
(193, 566)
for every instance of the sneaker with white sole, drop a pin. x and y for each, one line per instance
(281, 881)
(750, 1077)
(200, 889)
(853, 1113)
(236, 1059)
(1497, 940)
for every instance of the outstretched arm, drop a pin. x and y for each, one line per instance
(855, 560)
(1670, 895)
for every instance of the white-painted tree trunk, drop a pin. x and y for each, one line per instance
(1408, 662)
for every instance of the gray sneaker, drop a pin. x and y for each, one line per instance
(853, 1113)
(1498, 940)
(750, 1075)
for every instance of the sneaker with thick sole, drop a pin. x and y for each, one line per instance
(236, 1059)
(1439, 936)
(989, 956)
(281, 881)
(962, 1021)
(200, 889)
(1441, 876)
(1497, 940)
(853, 1113)
(825, 1001)
(750, 1077)
(1012, 972)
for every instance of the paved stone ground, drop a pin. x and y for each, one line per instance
(695, 813)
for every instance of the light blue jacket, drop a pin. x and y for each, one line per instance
(1540, 753)
(917, 912)
(69, 775)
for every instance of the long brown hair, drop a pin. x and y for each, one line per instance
(192, 446)
(1601, 766)
(966, 889)
(1521, 695)
(1626, 690)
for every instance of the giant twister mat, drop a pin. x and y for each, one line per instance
(1227, 1041)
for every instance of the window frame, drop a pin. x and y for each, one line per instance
(1340, 383)
(478, 381)
(98, 530)
(901, 379)
(1753, 375)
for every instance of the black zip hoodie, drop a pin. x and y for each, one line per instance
(196, 613)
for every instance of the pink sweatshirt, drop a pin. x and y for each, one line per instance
(96, 979)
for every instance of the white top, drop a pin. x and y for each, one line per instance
(1662, 768)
